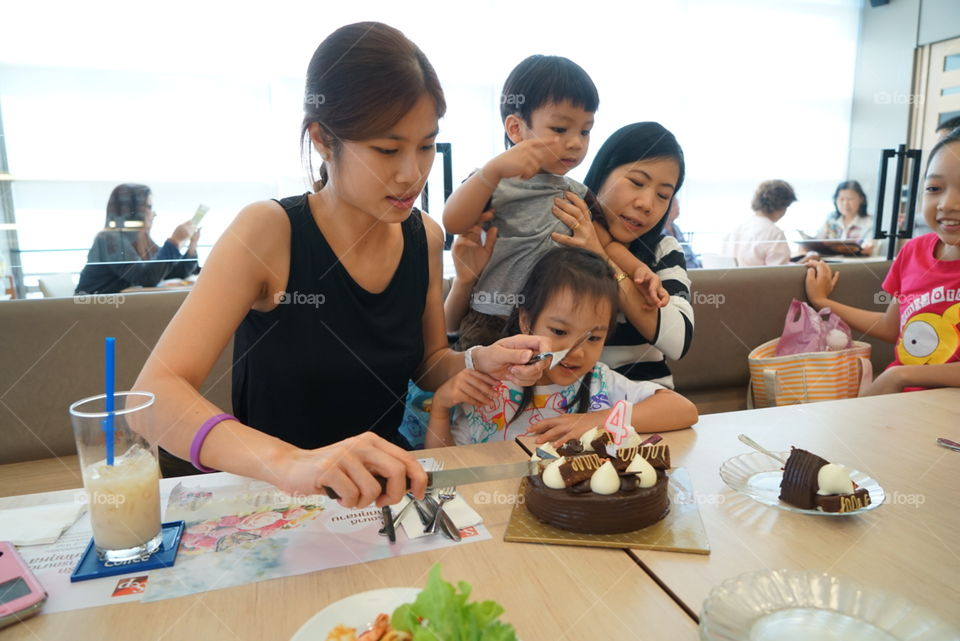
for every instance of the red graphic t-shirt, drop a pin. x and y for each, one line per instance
(928, 291)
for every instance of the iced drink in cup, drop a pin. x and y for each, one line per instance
(123, 498)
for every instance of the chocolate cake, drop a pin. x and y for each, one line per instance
(812, 483)
(578, 508)
(799, 484)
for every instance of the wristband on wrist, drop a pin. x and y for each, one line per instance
(468, 358)
(201, 436)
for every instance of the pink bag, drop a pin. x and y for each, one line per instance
(806, 330)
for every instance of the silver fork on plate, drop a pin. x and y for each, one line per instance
(446, 494)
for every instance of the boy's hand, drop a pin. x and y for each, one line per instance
(468, 386)
(650, 286)
(524, 160)
(820, 281)
(470, 255)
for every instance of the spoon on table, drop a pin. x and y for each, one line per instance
(752, 443)
(947, 443)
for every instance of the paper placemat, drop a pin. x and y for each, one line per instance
(240, 531)
(680, 531)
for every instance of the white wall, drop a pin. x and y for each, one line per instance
(882, 98)
(882, 89)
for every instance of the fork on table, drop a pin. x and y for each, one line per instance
(446, 494)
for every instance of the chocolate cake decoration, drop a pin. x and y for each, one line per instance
(579, 468)
(799, 485)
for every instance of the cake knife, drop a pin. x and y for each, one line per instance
(465, 475)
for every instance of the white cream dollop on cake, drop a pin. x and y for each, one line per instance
(588, 437)
(833, 479)
(551, 476)
(646, 475)
(605, 480)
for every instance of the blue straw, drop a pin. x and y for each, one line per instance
(109, 351)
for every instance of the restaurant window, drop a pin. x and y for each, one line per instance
(210, 112)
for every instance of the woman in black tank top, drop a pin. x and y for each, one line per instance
(334, 296)
(347, 353)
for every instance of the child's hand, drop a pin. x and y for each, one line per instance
(524, 160)
(650, 286)
(468, 386)
(820, 281)
(470, 256)
(561, 429)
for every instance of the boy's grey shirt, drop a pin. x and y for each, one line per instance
(524, 221)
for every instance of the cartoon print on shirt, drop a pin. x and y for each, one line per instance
(930, 339)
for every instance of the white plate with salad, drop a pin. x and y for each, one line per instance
(440, 607)
(356, 611)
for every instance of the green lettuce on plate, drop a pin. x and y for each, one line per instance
(441, 613)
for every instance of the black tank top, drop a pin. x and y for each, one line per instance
(331, 360)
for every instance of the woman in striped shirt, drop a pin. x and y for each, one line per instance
(635, 175)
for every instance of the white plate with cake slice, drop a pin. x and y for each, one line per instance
(795, 605)
(758, 476)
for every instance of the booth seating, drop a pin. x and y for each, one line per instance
(52, 348)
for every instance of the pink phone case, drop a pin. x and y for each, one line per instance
(13, 570)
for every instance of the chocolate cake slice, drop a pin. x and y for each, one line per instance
(799, 485)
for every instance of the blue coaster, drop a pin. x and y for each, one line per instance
(91, 567)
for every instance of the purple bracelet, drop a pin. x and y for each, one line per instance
(201, 436)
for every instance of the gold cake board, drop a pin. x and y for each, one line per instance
(680, 531)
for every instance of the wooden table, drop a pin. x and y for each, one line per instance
(909, 545)
(549, 592)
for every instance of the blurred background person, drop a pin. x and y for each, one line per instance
(759, 241)
(849, 220)
(670, 228)
(124, 255)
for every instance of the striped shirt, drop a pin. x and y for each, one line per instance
(628, 352)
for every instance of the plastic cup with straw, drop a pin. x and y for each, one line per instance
(109, 377)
